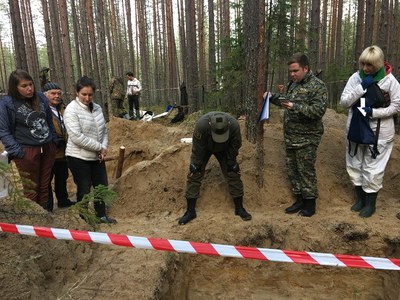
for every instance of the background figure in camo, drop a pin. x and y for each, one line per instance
(216, 133)
(117, 95)
(305, 104)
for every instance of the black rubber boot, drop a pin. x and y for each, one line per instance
(360, 199)
(308, 209)
(239, 209)
(137, 114)
(295, 207)
(370, 202)
(190, 213)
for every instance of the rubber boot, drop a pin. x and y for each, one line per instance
(308, 209)
(370, 202)
(360, 199)
(137, 114)
(190, 213)
(239, 209)
(296, 206)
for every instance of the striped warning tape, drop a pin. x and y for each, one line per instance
(314, 258)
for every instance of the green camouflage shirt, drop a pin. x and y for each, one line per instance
(117, 90)
(303, 123)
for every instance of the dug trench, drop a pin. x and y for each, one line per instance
(151, 200)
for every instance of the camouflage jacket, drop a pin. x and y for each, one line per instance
(117, 90)
(203, 144)
(303, 123)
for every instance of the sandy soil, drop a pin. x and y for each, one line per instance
(151, 200)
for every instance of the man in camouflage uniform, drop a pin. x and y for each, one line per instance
(218, 134)
(117, 95)
(304, 104)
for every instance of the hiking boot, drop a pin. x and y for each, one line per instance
(240, 210)
(296, 206)
(308, 209)
(66, 203)
(107, 220)
(187, 217)
(243, 214)
(190, 213)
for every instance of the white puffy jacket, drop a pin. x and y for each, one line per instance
(87, 131)
(354, 91)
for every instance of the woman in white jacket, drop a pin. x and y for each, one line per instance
(365, 163)
(87, 143)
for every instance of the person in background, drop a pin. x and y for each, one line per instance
(117, 95)
(27, 133)
(87, 143)
(60, 168)
(365, 165)
(133, 91)
(304, 104)
(215, 133)
(180, 115)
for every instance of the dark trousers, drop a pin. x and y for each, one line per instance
(36, 165)
(133, 101)
(233, 179)
(60, 175)
(87, 174)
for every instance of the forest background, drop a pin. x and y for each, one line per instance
(226, 53)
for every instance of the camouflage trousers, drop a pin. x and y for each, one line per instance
(235, 184)
(301, 170)
(116, 107)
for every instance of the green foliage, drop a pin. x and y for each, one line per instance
(85, 208)
(335, 72)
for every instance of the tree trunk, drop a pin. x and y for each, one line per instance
(130, 35)
(254, 38)
(322, 48)
(314, 34)
(93, 49)
(212, 78)
(225, 30)
(103, 66)
(75, 24)
(172, 58)
(68, 68)
(18, 36)
(202, 44)
(192, 68)
(359, 33)
(47, 30)
(333, 26)
(110, 43)
(182, 39)
(59, 64)
(144, 54)
(84, 41)
(383, 26)
(369, 22)
(338, 47)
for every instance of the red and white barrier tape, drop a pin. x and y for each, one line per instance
(323, 259)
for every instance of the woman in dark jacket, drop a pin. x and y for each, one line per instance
(27, 133)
